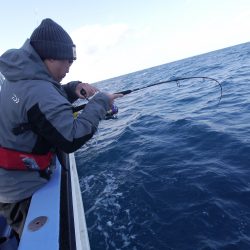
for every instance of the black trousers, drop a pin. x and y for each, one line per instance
(15, 214)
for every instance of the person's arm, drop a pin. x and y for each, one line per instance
(53, 121)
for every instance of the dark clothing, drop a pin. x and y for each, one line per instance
(29, 95)
(15, 214)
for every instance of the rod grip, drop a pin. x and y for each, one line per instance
(78, 108)
(125, 92)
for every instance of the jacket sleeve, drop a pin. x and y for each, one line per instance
(52, 120)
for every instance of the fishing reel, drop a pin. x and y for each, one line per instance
(112, 113)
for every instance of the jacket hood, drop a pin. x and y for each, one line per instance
(23, 64)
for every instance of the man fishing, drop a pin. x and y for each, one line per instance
(36, 117)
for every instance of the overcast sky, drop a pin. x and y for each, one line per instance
(115, 37)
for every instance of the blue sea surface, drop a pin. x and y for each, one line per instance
(173, 170)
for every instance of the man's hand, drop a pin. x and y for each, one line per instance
(112, 97)
(85, 90)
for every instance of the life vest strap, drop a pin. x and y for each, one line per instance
(15, 160)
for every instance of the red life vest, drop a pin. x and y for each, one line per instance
(14, 160)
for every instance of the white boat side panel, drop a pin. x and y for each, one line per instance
(82, 239)
(45, 202)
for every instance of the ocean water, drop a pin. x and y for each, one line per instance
(173, 170)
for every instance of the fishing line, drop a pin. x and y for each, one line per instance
(177, 80)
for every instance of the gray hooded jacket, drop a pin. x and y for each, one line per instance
(29, 95)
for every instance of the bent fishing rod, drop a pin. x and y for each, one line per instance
(177, 80)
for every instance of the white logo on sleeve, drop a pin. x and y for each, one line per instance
(15, 98)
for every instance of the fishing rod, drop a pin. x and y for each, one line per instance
(177, 80)
(125, 92)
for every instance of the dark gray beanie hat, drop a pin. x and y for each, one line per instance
(51, 41)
